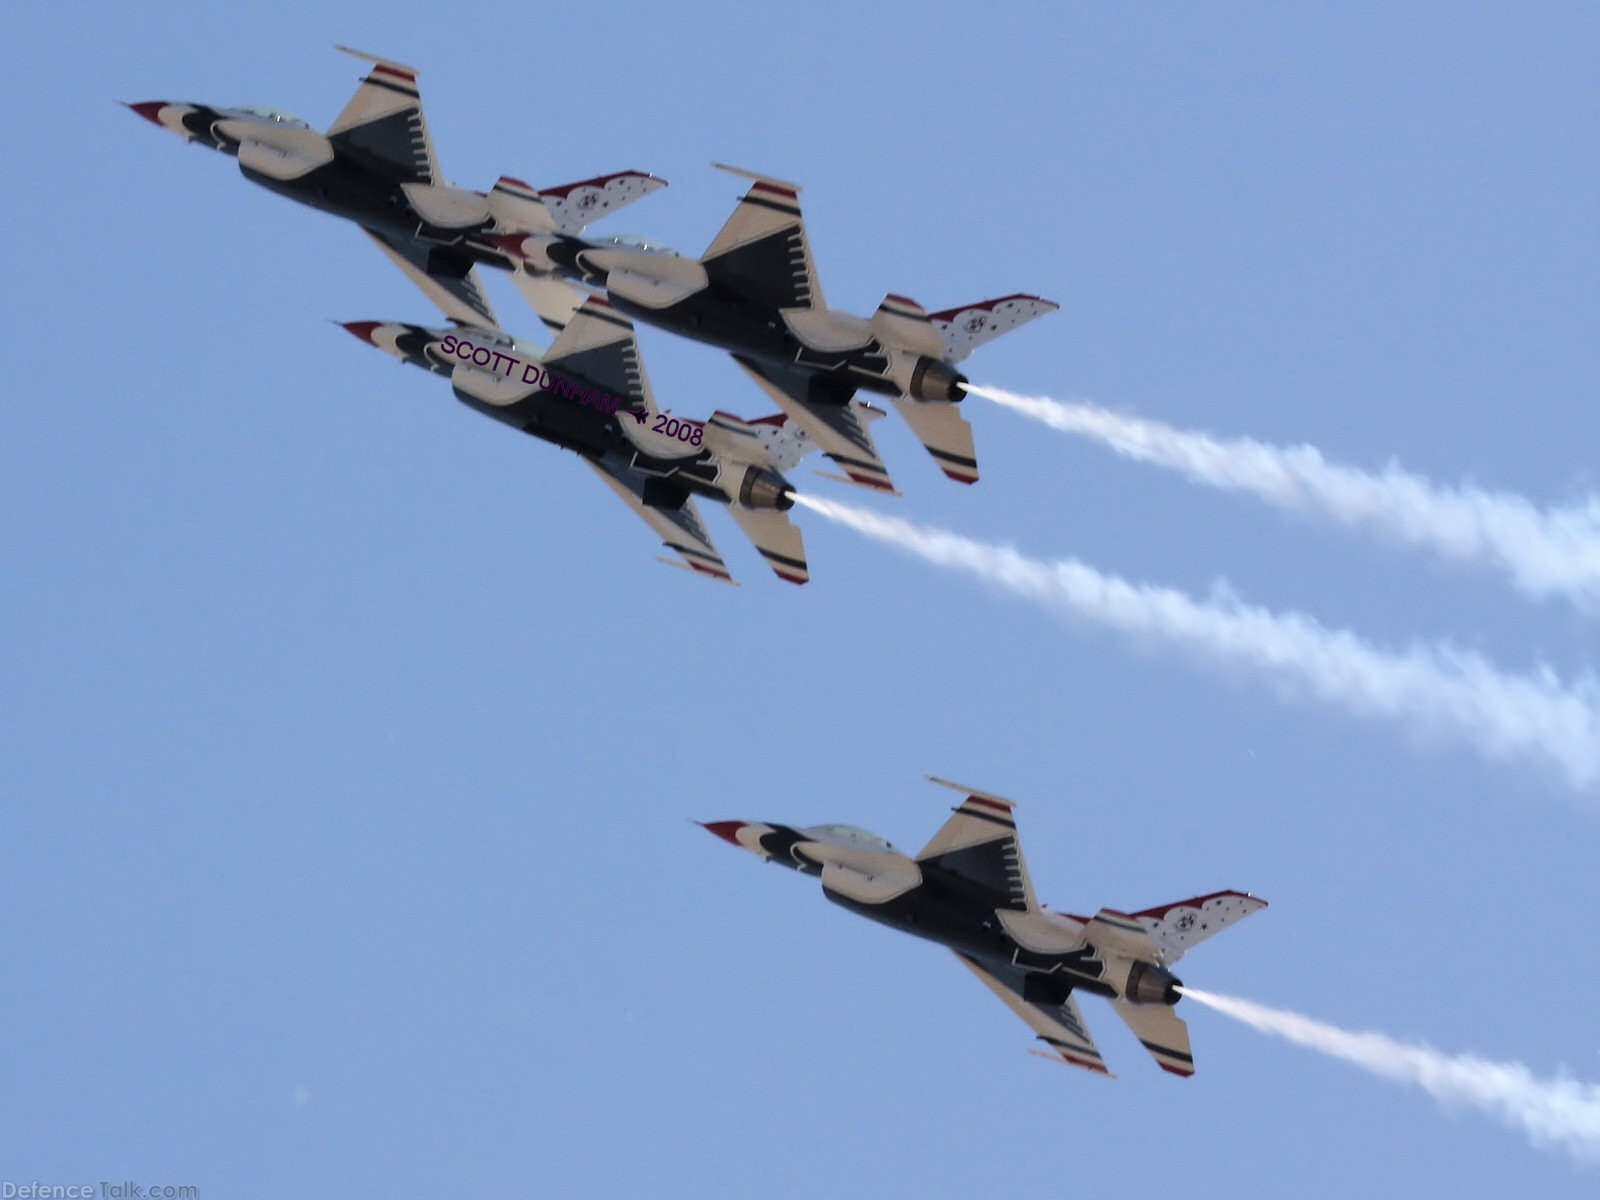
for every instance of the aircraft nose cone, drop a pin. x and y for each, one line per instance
(150, 110)
(728, 831)
(362, 330)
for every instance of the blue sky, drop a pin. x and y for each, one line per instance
(351, 742)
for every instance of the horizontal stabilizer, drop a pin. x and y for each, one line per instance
(962, 330)
(778, 538)
(942, 429)
(903, 322)
(517, 208)
(1118, 933)
(1162, 1032)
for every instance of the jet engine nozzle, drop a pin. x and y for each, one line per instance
(762, 488)
(1149, 983)
(935, 380)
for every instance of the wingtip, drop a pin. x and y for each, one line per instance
(377, 60)
(970, 791)
(758, 177)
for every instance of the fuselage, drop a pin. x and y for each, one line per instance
(286, 156)
(513, 387)
(866, 875)
(678, 295)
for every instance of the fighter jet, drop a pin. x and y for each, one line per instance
(755, 294)
(376, 167)
(969, 890)
(589, 393)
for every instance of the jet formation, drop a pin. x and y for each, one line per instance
(969, 891)
(754, 293)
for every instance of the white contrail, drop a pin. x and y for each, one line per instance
(1547, 552)
(1433, 687)
(1552, 1112)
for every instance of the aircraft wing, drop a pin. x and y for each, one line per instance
(824, 412)
(384, 121)
(553, 300)
(448, 279)
(979, 845)
(762, 253)
(1059, 1026)
(679, 527)
(598, 344)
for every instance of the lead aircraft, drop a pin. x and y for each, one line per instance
(969, 890)
(376, 166)
(755, 294)
(589, 393)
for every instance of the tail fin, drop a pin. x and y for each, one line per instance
(962, 330)
(576, 205)
(568, 207)
(1176, 927)
(775, 441)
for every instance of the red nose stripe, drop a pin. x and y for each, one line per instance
(363, 330)
(150, 110)
(728, 831)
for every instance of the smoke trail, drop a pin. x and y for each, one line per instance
(1547, 552)
(1557, 1112)
(1433, 687)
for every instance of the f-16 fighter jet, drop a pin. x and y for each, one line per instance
(755, 294)
(969, 890)
(376, 166)
(589, 393)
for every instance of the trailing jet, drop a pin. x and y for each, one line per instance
(755, 294)
(969, 890)
(589, 393)
(376, 167)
